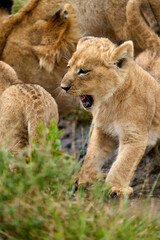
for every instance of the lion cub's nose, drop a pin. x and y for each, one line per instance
(66, 88)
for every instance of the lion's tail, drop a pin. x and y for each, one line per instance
(144, 36)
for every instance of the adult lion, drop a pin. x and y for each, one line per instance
(37, 44)
(149, 58)
(37, 40)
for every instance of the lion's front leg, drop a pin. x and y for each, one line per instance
(100, 147)
(131, 150)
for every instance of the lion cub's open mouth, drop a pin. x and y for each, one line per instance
(87, 100)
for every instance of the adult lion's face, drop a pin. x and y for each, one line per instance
(97, 70)
(57, 37)
(37, 41)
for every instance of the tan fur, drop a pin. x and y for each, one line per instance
(36, 49)
(145, 38)
(5, 8)
(37, 42)
(8, 24)
(116, 13)
(126, 108)
(107, 18)
(155, 4)
(150, 19)
(21, 107)
(96, 17)
(3, 13)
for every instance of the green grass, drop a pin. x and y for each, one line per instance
(37, 200)
(17, 5)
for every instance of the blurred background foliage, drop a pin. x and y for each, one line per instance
(17, 5)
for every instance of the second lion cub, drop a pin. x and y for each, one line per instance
(21, 107)
(125, 103)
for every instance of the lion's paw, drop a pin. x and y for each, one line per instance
(120, 191)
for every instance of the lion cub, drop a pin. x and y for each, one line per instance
(21, 107)
(37, 41)
(125, 103)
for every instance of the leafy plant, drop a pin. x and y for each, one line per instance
(38, 199)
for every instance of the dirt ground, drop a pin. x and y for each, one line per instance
(146, 180)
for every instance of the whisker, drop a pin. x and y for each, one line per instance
(56, 89)
(61, 93)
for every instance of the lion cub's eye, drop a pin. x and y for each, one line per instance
(82, 71)
(68, 67)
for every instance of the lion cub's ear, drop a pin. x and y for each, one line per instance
(123, 54)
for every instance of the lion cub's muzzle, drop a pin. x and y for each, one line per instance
(87, 100)
(65, 88)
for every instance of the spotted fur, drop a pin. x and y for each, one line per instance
(21, 107)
